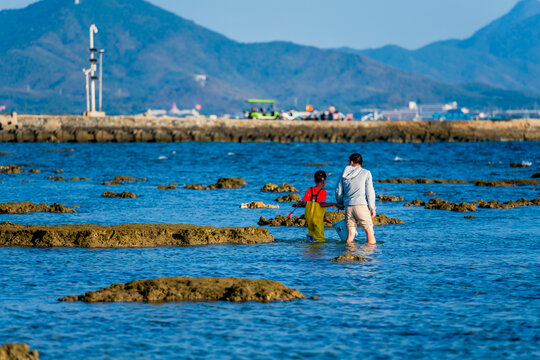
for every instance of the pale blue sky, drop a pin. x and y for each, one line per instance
(324, 23)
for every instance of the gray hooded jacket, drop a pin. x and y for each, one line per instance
(354, 186)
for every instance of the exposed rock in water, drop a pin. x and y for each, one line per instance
(470, 217)
(417, 202)
(508, 204)
(10, 169)
(122, 195)
(25, 181)
(28, 207)
(183, 288)
(222, 183)
(59, 150)
(331, 216)
(349, 258)
(61, 178)
(171, 186)
(35, 171)
(127, 235)
(279, 189)
(428, 193)
(7, 153)
(318, 164)
(520, 165)
(258, 205)
(389, 198)
(288, 198)
(58, 171)
(421, 181)
(440, 204)
(122, 178)
(17, 352)
(506, 182)
(535, 175)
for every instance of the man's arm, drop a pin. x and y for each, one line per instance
(370, 194)
(339, 191)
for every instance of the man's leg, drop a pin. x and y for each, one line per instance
(370, 235)
(351, 234)
(350, 220)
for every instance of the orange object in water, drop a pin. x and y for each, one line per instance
(309, 108)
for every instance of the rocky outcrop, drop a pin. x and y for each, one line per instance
(389, 198)
(440, 204)
(122, 179)
(279, 189)
(421, 181)
(535, 175)
(506, 182)
(126, 236)
(508, 204)
(35, 171)
(34, 128)
(331, 217)
(171, 186)
(258, 205)
(17, 352)
(429, 193)
(222, 183)
(520, 165)
(348, 258)
(122, 195)
(61, 178)
(198, 289)
(10, 169)
(28, 207)
(288, 198)
(417, 202)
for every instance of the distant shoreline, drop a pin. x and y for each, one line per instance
(66, 128)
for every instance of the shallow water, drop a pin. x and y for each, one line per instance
(438, 286)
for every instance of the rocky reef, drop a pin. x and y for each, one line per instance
(171, 186)
(288, 198)
(348, 258)
(17, 352)
(279, 189)
(10, 169)
(122, 179)
(389, 198)
(122, 195)
(126, 236)
(417, 202)
(508, 204)
(506, 182)
(198, 289)
(222, 183)
(331, 217)
(258, 205)
(28, 207)
(61, 178)
(440, 204)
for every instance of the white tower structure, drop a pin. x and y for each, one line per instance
(91, 78)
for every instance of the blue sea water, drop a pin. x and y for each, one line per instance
(439, 286)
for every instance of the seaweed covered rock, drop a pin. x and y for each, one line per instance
(429, 193)
(122, 178)
(506, 182)
(389, 198)
(10, 169)
(417, 202)
(331, 217)
(288, 198)
(28, 207)
(508, 204)
(281, 220)
(35, 171)
(279, 189)
(122, 195)
(421, 181)
(183, 288)
(126, 235)
(61, 178)
(348, 258)
(222, 183)
(258, 205)
(440, 204)
(17, 352)
(171, 186)
(382, 219)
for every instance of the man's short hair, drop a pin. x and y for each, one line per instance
(356, 158)
(320, 176)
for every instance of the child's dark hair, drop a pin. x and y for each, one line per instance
(320, 176)
(356, 159)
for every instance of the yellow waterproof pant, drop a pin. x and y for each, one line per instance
(314, 215)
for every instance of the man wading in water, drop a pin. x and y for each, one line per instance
(354, 186)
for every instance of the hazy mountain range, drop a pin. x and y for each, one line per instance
(152, 59)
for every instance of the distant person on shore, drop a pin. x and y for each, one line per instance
(355, 191)
(315, 203)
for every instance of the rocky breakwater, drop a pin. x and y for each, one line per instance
(17, 352)
(182, 288)
(126, 236)
(38, 128)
